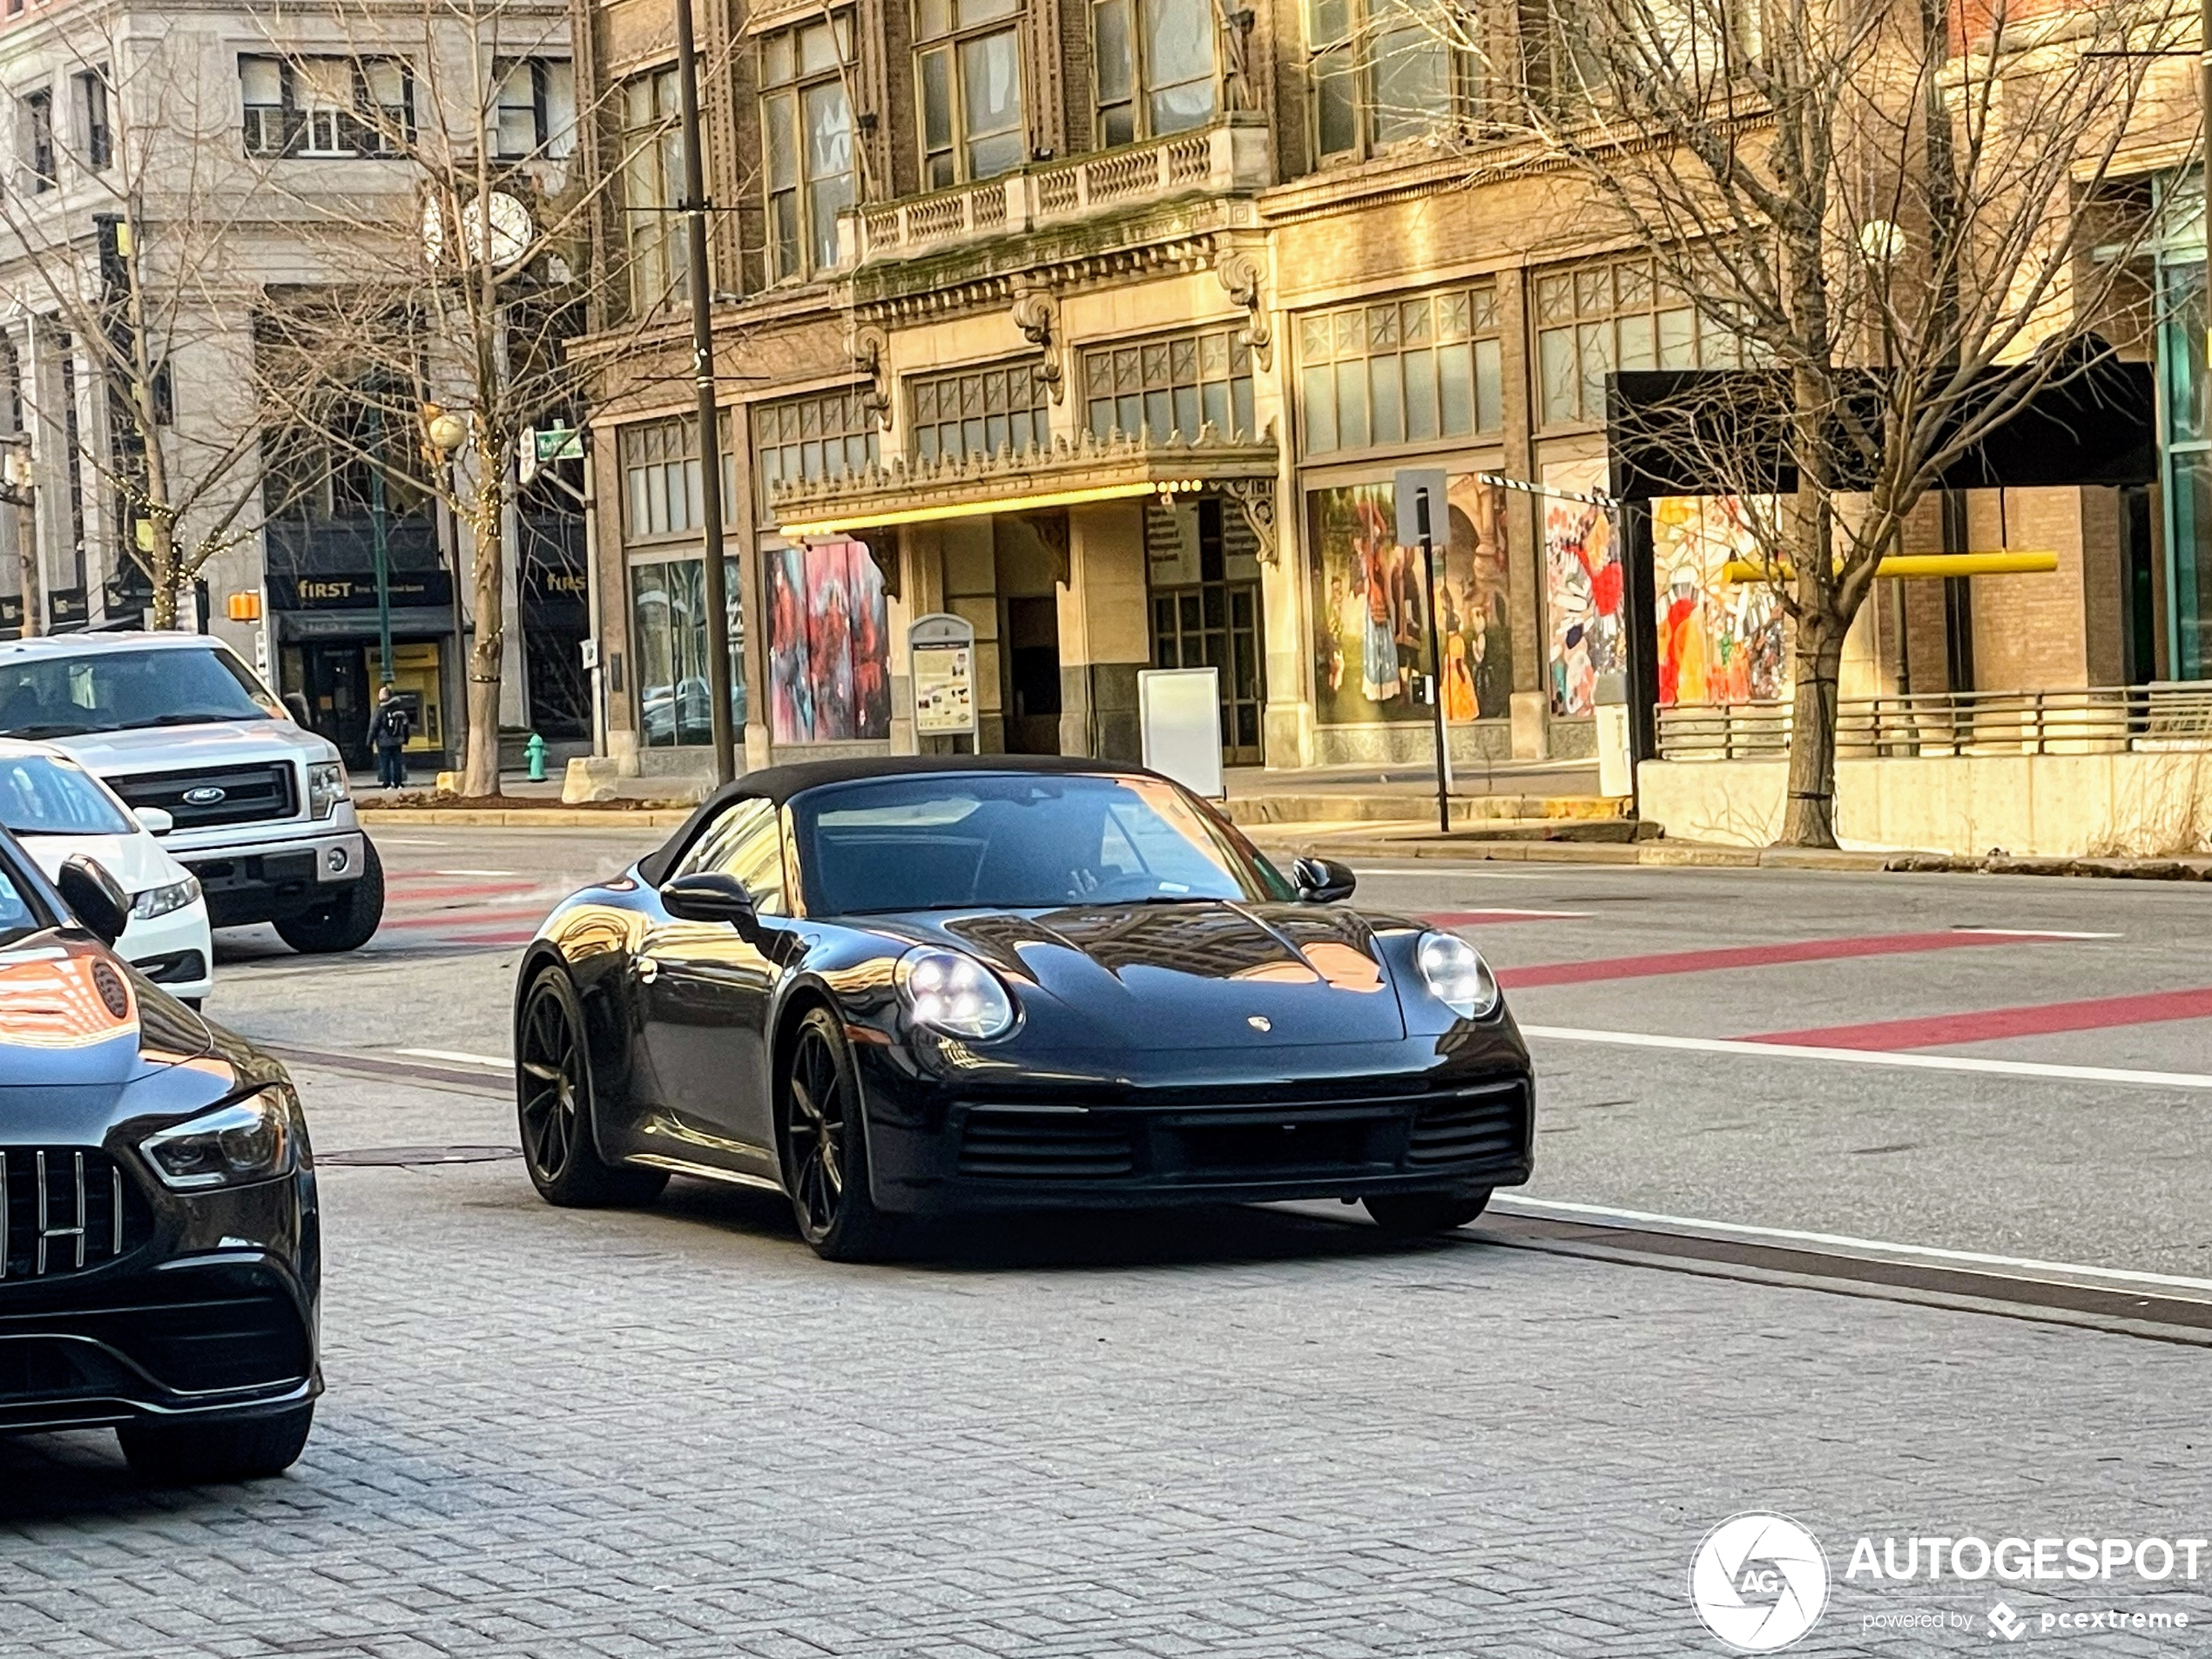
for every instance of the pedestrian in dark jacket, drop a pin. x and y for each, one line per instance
(388, 730)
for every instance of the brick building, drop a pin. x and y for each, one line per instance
(1105, 325)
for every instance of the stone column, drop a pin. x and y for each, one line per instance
(1105, 636)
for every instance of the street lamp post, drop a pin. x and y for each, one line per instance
(714, 586)
(443, 435)
(379, 544)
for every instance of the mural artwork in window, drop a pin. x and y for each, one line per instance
(1371, 627)
(1719, 641)
(1582, 588)
(829, 651)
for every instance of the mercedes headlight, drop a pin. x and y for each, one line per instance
(159, 902)
(1458, 975)
(326, 787)
(254, 1139)
(953, 994)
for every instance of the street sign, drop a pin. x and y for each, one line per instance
(558, 443)
(943, 649)
(1410, 484)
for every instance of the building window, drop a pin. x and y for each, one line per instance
(38, 139)
(534, 110)
(1382, 73)
(92, 105)
(1403, 371)
(822, 437)
(968, 65)
(1154, 64)
(663, 493)
(668, 619)
(1176, 383)
(652, 183)
(327, 108)
(979, 413)
(1620, 315)
(806, 143)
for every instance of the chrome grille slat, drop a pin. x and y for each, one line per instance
(63, 1210)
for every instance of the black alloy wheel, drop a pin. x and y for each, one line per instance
(825, 1163)
(553, 1100)
(1407, 1215)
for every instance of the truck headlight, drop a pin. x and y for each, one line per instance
(1458, 975)
(327, 787)
(254, 1139)
(159, 902)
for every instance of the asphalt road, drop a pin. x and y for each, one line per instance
(1868, 1138)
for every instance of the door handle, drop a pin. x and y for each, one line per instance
(648, 970)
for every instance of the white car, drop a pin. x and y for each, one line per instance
(60, 811)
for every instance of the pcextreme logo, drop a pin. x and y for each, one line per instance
(1759, 1581)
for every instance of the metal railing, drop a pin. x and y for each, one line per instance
(2169, 715)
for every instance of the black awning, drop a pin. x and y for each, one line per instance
(1718, 432)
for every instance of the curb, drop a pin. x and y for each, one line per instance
(522, 818)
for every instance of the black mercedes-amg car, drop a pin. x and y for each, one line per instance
(159, 1246)
(918, 986)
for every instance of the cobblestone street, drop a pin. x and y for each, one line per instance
(1249, 1433)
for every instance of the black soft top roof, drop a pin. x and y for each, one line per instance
(779, 784)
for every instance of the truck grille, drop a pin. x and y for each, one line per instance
(240, 794)
(64, 1209)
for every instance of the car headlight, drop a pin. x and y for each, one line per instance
(327, 787)
(159, 902)
(254, 1139)
(953, 994)
(1458, 975)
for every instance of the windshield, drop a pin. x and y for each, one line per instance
(1016, 841)
(20, 914)
(40, 795)
(109, 690)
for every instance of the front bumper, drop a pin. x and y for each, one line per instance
(208, 1309)
(274, 878)
(175, 951)
(1357, 1123)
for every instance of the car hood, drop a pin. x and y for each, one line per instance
(1185, 976)
(182, 748)
(135, 862)
(71, 1016)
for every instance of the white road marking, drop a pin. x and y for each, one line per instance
(1874, 1057)
(474, 873)
(1558, 1209)
(1522, 916)
(492, 1061)
(1456, 874)
(408, 840)
(2031, 933)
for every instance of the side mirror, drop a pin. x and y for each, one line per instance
(295, 705)
(98, 902)
(709, 895)
(153, 820)
(1323, 881)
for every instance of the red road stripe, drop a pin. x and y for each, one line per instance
(411, 891)
(1941, 1030)
(471, 916)
(1706, 961)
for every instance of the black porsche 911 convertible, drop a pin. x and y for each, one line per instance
(923, 986)
(160, 1254)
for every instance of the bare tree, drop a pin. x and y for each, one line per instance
(145, 284)
(465, 287)
(1897, 217)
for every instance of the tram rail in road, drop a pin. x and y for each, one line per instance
(2163, 1307)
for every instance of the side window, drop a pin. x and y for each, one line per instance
(745, 842)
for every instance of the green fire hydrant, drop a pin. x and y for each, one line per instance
(533, 753)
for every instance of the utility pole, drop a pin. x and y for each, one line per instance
(379, 543)
(714, 586)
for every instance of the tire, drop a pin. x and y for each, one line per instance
(247, 1448)
(825, 1146)
(1409, 1215)
(553, 1106)
(346, 923)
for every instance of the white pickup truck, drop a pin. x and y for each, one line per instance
(260, 807)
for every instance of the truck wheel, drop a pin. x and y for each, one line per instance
(346, 922)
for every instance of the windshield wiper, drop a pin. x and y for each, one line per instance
(33, 733)
(203, 718)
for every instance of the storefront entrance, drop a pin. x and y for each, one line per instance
(1205, 611)
(338, 679)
